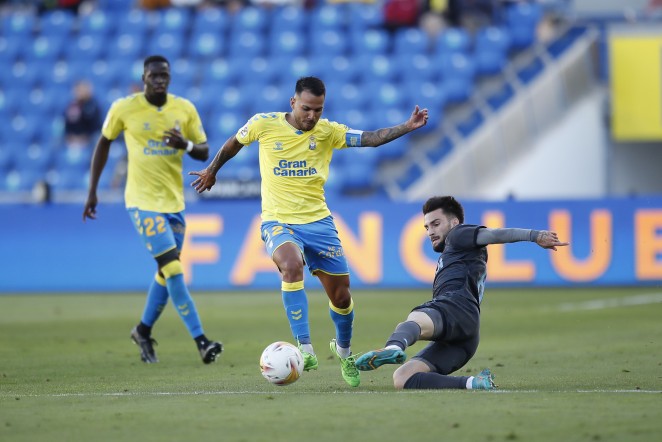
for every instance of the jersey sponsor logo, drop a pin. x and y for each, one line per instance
(157, 148)
(294, 169)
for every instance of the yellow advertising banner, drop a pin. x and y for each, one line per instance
(636, 86)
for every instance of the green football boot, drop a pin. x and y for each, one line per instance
(347, 367)
(309, 359)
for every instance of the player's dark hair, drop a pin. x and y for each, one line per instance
(311, 84)
(448, 204)
(155, 59)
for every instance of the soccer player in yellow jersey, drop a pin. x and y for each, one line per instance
(159, 129)
(297, 226)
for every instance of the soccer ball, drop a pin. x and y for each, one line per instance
(281, 363)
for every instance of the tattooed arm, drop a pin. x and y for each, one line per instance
(378, 137)
(206, 178)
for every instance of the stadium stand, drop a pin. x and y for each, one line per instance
(232, 66)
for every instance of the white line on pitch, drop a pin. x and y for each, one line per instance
(599, 304)
(292, 391)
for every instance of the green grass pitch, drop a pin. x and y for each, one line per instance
(572, 365)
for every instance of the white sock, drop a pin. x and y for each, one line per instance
(470, 383)
(308, 348)
(343, 352)
(393, 347)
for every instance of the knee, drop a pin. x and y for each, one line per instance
(341, 298)
(400, 378)
(291, 269)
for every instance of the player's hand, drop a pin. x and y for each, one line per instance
(549, 240)
(174, 138)
(418, 118)
(90, 210)
(205, 180)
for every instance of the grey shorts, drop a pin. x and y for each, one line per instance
(456, 318)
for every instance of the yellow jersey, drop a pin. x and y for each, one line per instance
(294, 165)
(154, 177)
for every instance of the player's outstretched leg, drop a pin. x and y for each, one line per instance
(347, 366)
(374, 359)
(483, 381)
(146, 345)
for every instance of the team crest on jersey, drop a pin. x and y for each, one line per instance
(146, 126)
(313, 143)
(278, 145)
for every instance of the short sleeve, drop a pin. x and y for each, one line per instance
(113, 124)
(250, 131)
(194, 130)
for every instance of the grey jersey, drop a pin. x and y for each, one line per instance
(462, 266)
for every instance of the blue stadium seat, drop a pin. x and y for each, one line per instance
(57, 22)
(327, 17)
(384, 95)
(426, 94)
(35, 157)
(390, 116)
(470, 123)
(355, 119)
(409, 176)
(73, 159)
(18, 24)
(44, 48)
(176, 20)
(220, 73)
(342, 96)
(359, 171)
(410, 41)
(246, 43)
(289, 18)
(417, 67)
(46, 100)
(453, 40)
(233, 98)
(286, 43)
(22, 128)
(393, 150)
(273, 98)
(522, 19)
(212, 20)
(296, 68)
(6, 160)
(126, 47)
(339, 68)
(19, 75)
(221, 125)
(97, 23)
(329, 42)
(440, 151)
(376, 68)
(258, 70)
(531, 70)
(103, 74)
(491, 50)
(184, 72)
(133, 21)
(86, 47)
(20, 180)
(497, 99)
(251, 18)
(365, 15)
(457, 75)
(70, 179)
(207, 45)
(11, 47)
(370, 41)
(167, 42)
